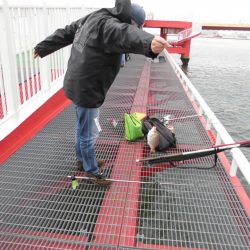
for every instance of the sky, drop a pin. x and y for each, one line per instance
(216, 11)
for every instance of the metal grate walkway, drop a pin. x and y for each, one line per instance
(152, 207)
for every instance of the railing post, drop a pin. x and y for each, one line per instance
(234, 168)
(9, 64)
(83, 10)
(44, 63)
(200, 110)
(66, 51)
(209, 122)
(218, 139)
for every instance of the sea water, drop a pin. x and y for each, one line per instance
(220, 71)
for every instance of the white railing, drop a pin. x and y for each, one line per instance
(25, 83)
(222, 136)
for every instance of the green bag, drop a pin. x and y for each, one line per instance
(133, 127)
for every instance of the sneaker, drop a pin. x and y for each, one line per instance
(79, 165)
(99, 178)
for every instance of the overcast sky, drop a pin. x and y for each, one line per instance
(223, 11)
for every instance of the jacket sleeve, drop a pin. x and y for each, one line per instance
(59, 39)
(125, 38)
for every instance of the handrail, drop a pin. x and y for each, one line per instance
(238, 158)
(25, 83)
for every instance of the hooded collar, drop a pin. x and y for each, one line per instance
(122, 10)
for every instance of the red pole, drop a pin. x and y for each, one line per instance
(185, 55)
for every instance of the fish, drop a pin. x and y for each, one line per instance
(170, 127)
(153, 139)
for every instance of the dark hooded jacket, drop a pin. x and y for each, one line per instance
(98, 40)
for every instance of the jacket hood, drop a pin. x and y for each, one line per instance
(122, 10)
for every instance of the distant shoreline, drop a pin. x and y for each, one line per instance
(223, 37)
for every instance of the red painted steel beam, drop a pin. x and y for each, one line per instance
(186, 47)
(178, 50)
(183, 49)
(118, 218)
(167, 24)
(33, 124)
(130, 222)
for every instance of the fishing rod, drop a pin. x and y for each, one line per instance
(170, 158)
(73, 177)
(165, 119)
(75, 183)
(194, 154)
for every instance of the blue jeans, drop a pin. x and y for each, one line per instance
(87, 132)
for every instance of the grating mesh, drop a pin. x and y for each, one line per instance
(151, 207)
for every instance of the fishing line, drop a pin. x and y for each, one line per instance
(115, 121)
(199, 168)
(72, 177)
(182, 117)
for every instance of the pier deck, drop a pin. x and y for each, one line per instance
(189, 206)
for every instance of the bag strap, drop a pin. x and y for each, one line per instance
(146, 125)
(164, 131)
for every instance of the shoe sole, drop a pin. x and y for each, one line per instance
(101, 165)
(100, 183)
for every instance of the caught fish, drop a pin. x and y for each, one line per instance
(171, 128)
(153, 139)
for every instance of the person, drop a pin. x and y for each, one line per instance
(138, 15)
(98, 42)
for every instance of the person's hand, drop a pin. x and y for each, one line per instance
(35, 54)
(158, 44)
